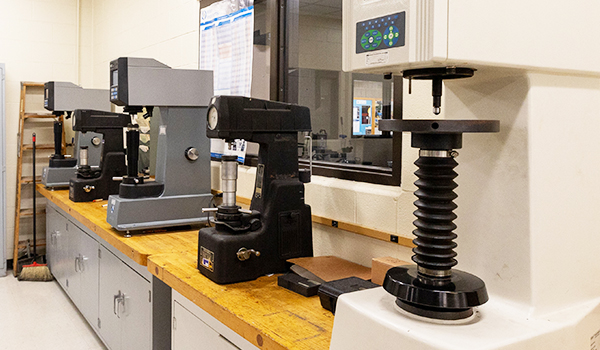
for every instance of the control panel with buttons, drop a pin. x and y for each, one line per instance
(381, 33)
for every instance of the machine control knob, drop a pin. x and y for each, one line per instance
(88, 188)
(245, 254)
(96, 141)
(192, 153)
(255, 224)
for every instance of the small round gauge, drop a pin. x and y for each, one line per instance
(213, 118)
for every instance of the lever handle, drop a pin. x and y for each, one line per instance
(245, 254)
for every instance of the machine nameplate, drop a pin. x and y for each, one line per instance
(376, 58)
(207, 259)
(260, 172)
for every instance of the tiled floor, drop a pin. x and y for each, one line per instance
(39, 315)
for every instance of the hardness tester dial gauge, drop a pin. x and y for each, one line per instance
(213, 118)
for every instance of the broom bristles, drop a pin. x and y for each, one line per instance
(35, 272)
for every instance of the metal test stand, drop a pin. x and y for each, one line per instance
(63, 98)
(92, 183)
(528, 197)
(246, 244)
(182, 180)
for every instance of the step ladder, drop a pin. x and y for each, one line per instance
(26, 117)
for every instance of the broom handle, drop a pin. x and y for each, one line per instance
(34, 206)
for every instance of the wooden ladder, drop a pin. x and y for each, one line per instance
(22, 213)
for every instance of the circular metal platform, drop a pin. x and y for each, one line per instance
(439, 126)
(450, 298)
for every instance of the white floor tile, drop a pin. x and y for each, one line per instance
(39, 315)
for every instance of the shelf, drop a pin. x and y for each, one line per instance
(40, 243)
(31, 84)
(38, 146)
(29, 212)
(39, 116)
(29, 179)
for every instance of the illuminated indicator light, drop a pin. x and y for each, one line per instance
(385, 36)
(396, 35)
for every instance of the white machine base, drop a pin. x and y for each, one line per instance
(369, 319)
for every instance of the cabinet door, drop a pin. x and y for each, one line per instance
(51, 250)
(136, 316)
(191, 333)
(88, 271)
(61, 244)
(71, 266)
(108, 292)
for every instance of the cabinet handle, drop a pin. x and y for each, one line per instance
(82, 260)
(124, 301)
(116, 304)
(76, 263)
(53, 237)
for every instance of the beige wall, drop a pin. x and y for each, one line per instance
(38, 42)
(164, 30)
(168, 32)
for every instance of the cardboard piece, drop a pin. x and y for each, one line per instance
(331, 268)
(380, 266)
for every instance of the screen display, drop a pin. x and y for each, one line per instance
(366, 113)
(114, 79)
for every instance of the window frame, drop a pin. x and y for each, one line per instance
(279, 17)
(362, 173)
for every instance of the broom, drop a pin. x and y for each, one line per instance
(35, 271)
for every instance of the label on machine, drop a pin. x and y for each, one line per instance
(260, 172)
(207, 259)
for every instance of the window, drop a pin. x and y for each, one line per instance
(345, 107)
(298, 59)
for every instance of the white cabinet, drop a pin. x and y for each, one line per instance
(56, 236)
(85, 264)
(194, 329)
(125, 305)
(73, 260)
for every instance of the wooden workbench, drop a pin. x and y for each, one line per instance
(137, 248)
(268, 316)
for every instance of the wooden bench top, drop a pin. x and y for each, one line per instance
(139, 246)
(268, 316)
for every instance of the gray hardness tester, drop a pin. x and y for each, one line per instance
(61, 98)
(182, 180)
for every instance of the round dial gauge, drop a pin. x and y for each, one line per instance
(213, 118)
